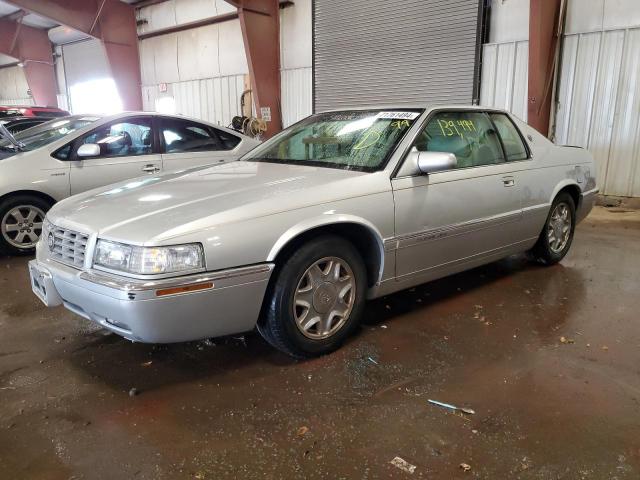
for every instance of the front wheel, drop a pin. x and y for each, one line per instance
(21, 219)
(317, 298)
(556, 236)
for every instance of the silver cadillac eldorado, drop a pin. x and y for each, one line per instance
(293, 238)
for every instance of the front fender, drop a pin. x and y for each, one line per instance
(324, 221)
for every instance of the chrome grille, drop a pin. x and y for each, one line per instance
(69, 247)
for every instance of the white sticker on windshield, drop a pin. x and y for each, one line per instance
(398, 115)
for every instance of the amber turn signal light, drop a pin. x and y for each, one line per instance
(189, 288)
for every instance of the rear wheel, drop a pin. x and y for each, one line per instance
(21, 220)
(556, 236)
(316, 298)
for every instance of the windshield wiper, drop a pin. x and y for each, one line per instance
(7, 134)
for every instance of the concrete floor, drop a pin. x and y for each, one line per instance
(489, 339)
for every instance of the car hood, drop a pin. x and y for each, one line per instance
(152, 209)
(7, 153)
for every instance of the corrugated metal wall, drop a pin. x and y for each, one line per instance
(599, 104)
(505, 70)
(598, 93)
(296, 59)
(14, 87)
(296, 94)
(394, 52)
(204, 68)
(216, 100)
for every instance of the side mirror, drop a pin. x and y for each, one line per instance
(89, 150)
(430, 162)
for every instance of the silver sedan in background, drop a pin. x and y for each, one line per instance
(293, 238)
(70, 155)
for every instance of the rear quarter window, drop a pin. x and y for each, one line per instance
(511, 139)
(228, 140)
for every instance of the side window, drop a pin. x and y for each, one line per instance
(228, 140)
(468, 135)
(124, 139)
(63, 153)
(511, 139)
(183, 136)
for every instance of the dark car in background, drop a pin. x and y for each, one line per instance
(18, 124)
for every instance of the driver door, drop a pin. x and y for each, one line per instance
(448, 221)
(127, 150)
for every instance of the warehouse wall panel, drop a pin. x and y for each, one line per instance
(216, 100)
(178, 12)
(296, 95)
(504, 77)
(509, 21)
(13, 87)
(584, 16)
(204, 69)
(296, 62)
(296, 37)
(599, 104)
(598, 90)
(205, 52)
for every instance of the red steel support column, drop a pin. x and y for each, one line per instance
(543, 41)
(111, 21)
(260, 21)
(31, 47)
(117, 24)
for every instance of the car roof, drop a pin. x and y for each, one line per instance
(414, 106)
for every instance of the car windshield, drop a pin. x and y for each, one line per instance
(351, 140)
(48, 132)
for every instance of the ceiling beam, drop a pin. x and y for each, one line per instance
(260, 22)
(32, 48)
(112, 22)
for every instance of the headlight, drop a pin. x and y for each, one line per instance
(148, 260)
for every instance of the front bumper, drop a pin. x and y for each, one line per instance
(132, 308)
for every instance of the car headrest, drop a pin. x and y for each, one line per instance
(126, 139)
(146, 138)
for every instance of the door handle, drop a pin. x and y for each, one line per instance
(508, 181)
(151, 168)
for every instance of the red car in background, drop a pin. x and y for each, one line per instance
(30, 111)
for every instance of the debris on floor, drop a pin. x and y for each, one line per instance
(302, 430)
(566, 340)
(133, 392)
(373, 361)
(403, 465)
(465, 467)
(452, 407)
(240, 339)
(207, 342)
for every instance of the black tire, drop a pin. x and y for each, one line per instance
(8, 205)
(278, 324)
(542, 252)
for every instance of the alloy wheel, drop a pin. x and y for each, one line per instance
(559, 227)
(324, 298)
(21, 226)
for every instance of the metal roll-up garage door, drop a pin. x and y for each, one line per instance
(394, 52)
